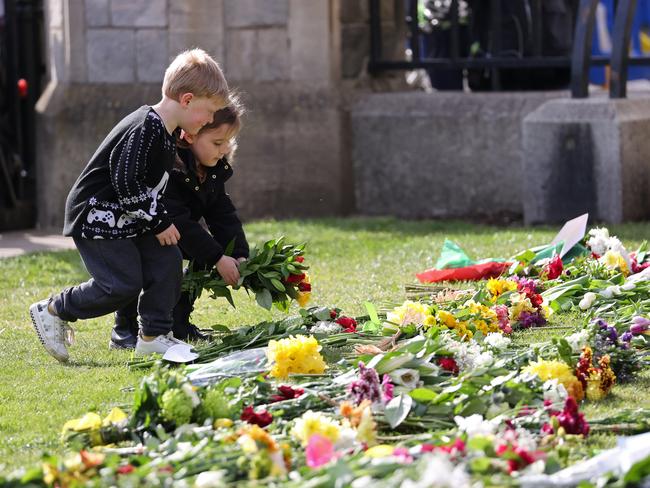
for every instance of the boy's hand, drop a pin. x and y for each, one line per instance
(228, 269)
(169, 236)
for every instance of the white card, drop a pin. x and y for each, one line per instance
(571, 233)
(180, 354)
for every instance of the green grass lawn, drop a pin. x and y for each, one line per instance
(352, 261)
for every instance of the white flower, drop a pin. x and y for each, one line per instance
(598, 240)
(469, 355)
(475, 425)
(610, 291)
(497, 341)
(325, 327)
(440, 472)
(577, 340)
(405, 377)
(587, 301)
(189, 391)
(210, 479)
(628, 286)
(554, 391)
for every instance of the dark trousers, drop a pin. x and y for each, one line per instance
(123, 270)
(180, 314)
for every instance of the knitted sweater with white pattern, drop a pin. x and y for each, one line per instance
(118, 193)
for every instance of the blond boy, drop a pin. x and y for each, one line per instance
(116, 217)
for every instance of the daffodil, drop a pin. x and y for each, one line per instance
(315, 423)
(295, 354)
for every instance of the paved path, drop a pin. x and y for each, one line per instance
(15, 243)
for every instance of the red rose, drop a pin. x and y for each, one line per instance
(295, 278)
(348, 323)
(448, 364)
(553, 269)
(298, 259)
(126, 469)
(287, 393)
(536, 300)
(304, 286)
(333, 314)
(262, 418)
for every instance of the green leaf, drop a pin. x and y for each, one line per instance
(230, 248)
(423, 395)
(372, 312)
(264, 299)
(277, 284)
(220, 328)
(480, 465)
(397, 410)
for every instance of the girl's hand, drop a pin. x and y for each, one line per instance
(227, 267)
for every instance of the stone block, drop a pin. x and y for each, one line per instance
(355, 46)
(55, 13)
(241, 47)
(447, 155)
(272, 58)
(97, 13)
(256, 13)
(211, 41)
(587, 155)
(309, 32)
(152, 55)
(354, 11)
(199, 15)
(57, 56)
(139, 13)
(111, 55)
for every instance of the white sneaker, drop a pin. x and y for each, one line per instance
(55, 334)
(158, 345)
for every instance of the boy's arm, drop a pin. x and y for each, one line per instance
(128, 165)
(224, 224)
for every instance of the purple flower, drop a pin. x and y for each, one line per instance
(627, 336)
(368, 387)
(601, 323)
(639, 325)
(527, 320)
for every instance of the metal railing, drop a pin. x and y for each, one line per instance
(579, 61)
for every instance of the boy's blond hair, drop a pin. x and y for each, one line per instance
(194, 71)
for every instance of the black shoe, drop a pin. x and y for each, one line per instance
(125, 333)
(189, 332)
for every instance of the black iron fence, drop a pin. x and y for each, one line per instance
(22, 71)
(485, 22)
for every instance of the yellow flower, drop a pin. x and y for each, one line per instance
(299, 354)
(498, 287)
(303, 298)
(614, 260)
(411, 313)
(556, 370)
(315, 423)
(380, 451)
(90, 421)
(520, 304)
(115, 416)
(260, 439)
(223, 423)
(447, 319)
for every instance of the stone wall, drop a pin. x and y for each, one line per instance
(297, 64)
(441, 155)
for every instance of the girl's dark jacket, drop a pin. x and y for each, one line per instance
(187, 200)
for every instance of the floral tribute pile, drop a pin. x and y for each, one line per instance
(429, 393)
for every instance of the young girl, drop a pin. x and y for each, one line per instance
(196, 190)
